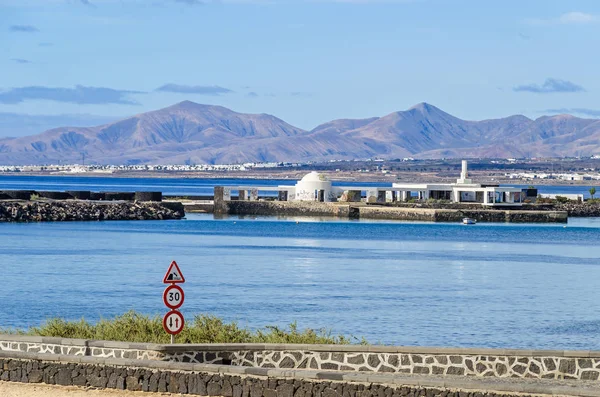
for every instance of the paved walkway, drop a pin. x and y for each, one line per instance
(13, 389)
(546, 387)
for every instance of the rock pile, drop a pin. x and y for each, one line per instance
(574, 209)
(579, 209)
(45, 211)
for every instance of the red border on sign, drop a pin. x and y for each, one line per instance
(165, 281)
(166, 292)
(168, 331)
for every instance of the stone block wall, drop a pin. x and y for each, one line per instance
(472, 363)
(491, 364)
(304, 208)
(213, 380)
(79, 347)
(289, 208)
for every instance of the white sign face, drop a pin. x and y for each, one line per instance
(173, 296)
(173, 322)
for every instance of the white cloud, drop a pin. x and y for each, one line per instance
(569, 18)
(577, 17)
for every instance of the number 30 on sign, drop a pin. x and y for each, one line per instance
(173, 296)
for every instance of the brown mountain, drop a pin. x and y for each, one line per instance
(192, 133)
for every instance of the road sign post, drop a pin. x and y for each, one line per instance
(173, 298)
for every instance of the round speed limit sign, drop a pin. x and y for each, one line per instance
(173, 296)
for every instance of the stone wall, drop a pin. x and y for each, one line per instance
(579, 209)
(473, 363)
(358, 210)
(72, 210)
(573, 209)
(516, 365)
(400, 214)
(499, 216)
(226, 381)
(80, 347)
(456, 215)
(288, 208)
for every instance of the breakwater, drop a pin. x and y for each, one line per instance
(84, 205)
(273, 370)
(573, 209)
(358, 210)
(75, 210)
(80, 195)
(576, 209)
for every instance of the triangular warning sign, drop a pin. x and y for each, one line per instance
(174, 275)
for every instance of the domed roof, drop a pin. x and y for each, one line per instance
(314, 177)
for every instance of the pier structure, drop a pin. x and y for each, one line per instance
(317, 187)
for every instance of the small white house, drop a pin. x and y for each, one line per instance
(314, 187)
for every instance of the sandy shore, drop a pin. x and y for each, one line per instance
(13, 389)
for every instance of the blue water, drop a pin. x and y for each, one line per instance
(186, 186)
(168, 186)
(488, 285)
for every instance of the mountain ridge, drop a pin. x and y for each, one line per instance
(188, 132)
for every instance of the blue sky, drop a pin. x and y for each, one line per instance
(305, 61)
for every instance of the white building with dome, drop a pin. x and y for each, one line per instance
(315, 186)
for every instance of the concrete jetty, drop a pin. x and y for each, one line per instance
(371, 211)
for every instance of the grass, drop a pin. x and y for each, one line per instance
(136, 327)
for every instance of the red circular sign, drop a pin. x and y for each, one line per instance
(173, 296)
(173, 322)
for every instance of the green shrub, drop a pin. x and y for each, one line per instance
(34, 197)
(203, 328)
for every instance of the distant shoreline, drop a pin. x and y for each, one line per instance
(417, 177)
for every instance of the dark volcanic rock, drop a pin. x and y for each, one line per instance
(44, 211)
(579, 209)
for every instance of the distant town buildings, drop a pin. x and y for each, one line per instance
(556, 176)
(77, 168)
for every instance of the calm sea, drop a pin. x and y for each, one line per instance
(488, 285)
(186, 186)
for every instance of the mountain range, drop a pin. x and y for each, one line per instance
(191, 133)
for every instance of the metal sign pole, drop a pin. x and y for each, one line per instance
(173, 298)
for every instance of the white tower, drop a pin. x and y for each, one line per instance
(464, 174)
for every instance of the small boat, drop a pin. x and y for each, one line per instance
(469, 221)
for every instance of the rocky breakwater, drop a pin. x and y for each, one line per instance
(49, 211)
(580, 210)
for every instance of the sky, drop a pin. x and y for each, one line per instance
(305, 61)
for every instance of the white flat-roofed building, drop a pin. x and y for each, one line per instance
(463, 191)
(315, 186)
